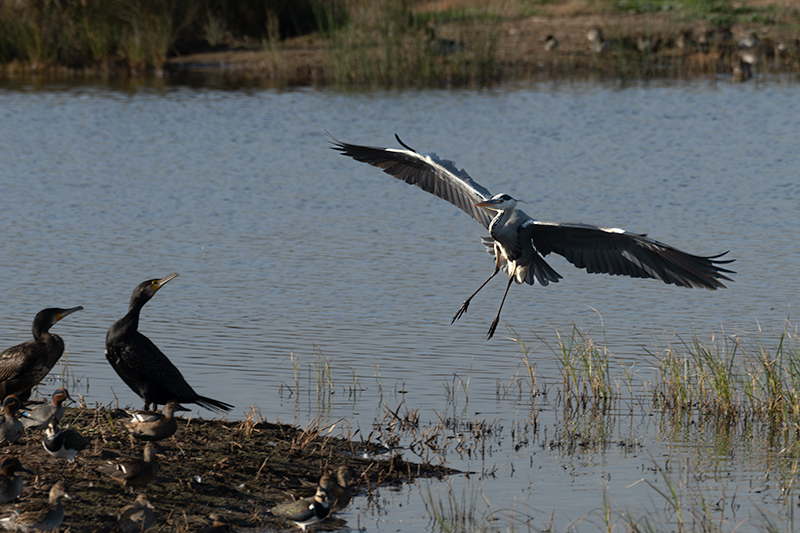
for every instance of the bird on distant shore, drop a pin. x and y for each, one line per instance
(749, 41)
(151, 426)
(23, 366)
(550, 43)
(38, 515)
(137, 516)
(684, 40)
(134, 472)
(142, 366)
(597, 41)
(519, 243)
(307, 511)
(440, 46)
(64, 442)
(40, 417)
(11, 429)
(10, 483)
(644, 44)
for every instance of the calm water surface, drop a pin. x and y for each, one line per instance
(291, 256)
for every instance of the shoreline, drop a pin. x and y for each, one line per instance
(235, 469)
(509, 48)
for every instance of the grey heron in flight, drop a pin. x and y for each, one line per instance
(519, 242)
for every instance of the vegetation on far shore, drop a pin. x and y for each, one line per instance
(393, 42)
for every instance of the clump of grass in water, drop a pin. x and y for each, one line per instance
(451, 514)
(585, 371)
(730, 379)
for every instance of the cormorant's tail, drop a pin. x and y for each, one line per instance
(213, 405)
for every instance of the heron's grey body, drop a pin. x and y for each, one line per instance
(519, 243)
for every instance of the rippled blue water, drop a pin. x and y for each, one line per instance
(290, 254)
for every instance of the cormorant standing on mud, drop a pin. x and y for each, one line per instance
(23, 366)
(140, 363)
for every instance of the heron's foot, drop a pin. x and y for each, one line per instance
(461, 311)
(493, 327)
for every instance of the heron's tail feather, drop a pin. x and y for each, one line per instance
(538, 271)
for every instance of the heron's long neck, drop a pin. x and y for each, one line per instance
(500, 219)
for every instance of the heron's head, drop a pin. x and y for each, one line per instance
(499, 202)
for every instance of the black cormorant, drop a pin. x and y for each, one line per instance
(140, 363)
(23, 366)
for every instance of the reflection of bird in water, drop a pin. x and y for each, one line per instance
(40, 417)
(10, 483)
(38, 515)
(64, 443)
(550, 43)
(11, 429)
(741, 71)
(137, 516)
(519, 242)
(307, 511)
(146, 425)
(23, 366)
(140, 363)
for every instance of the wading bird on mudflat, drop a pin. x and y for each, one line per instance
(519, 243)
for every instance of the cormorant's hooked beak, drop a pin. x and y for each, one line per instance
(65, 312)
(157, 284)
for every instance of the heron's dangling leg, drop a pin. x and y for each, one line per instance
(465, 305)
(497, 316)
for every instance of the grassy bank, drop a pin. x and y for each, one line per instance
(389, 43)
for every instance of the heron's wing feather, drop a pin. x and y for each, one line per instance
(618, 252)
(439, 177)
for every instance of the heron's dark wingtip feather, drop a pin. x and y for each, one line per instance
(620, 253)
(404, 145)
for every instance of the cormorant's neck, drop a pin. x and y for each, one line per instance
(130, 321)
(41, 331)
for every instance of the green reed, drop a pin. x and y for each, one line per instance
(733, 378)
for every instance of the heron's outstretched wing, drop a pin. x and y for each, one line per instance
(439, 177)
(620, 253)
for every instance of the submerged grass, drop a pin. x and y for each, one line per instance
(729, 379)
(732, 379)
(739, 395)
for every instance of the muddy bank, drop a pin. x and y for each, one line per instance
(237, 470)
(650, 45)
